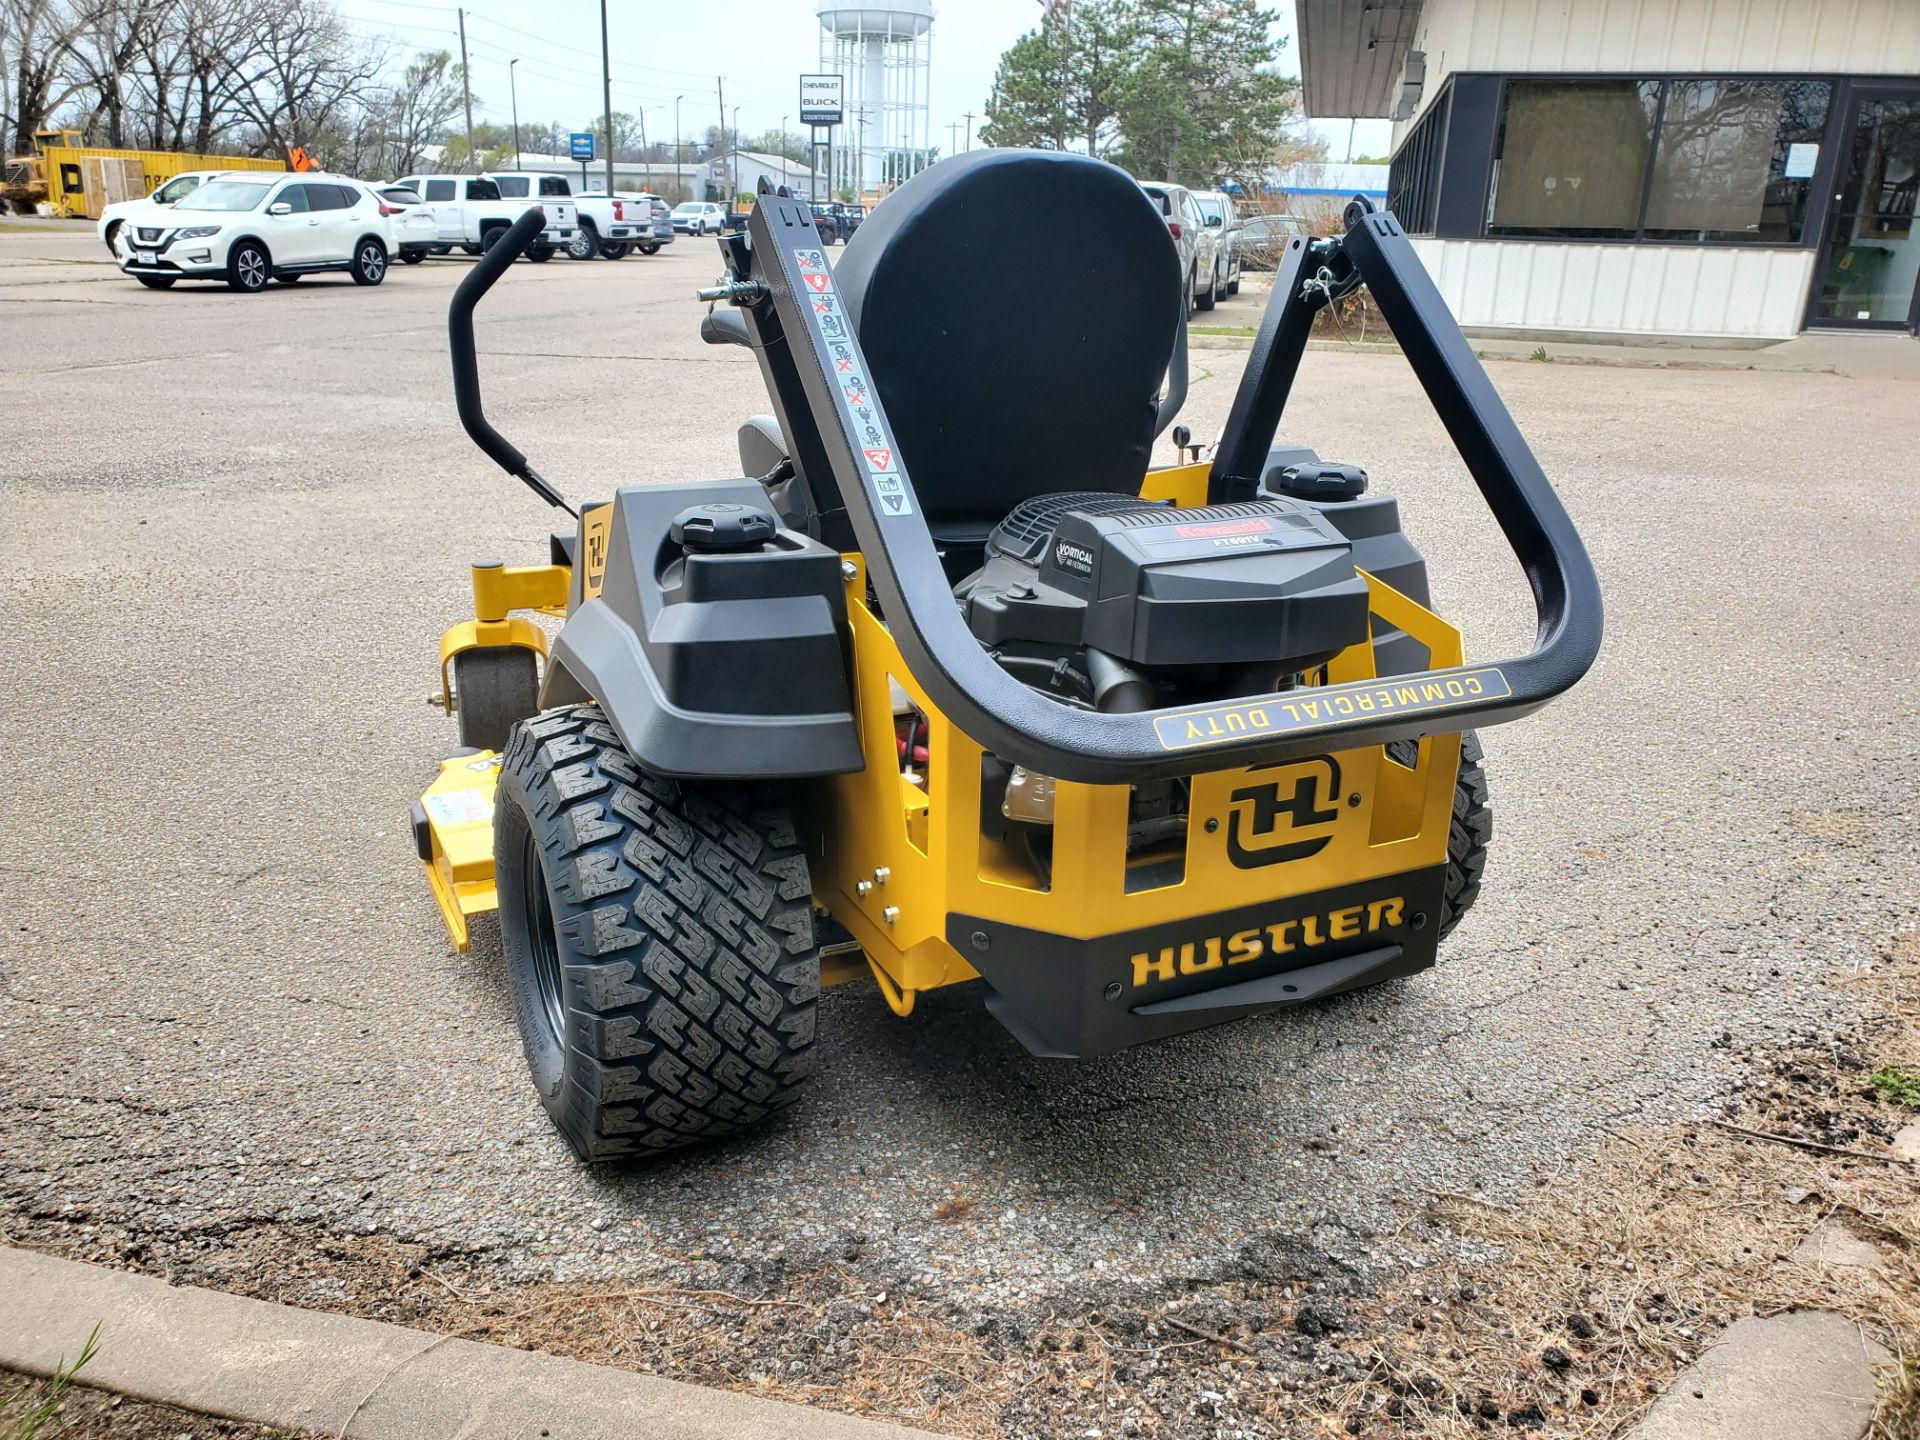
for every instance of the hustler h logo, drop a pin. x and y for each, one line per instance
(1276, 822)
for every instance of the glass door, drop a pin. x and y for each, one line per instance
(1869, 265)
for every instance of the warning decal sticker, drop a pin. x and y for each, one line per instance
(890, 494)
(458, 807)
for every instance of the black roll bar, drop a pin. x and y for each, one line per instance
(466, 365)
(820, 382)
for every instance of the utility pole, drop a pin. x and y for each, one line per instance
(953, 147)
(783, 152)
(646, 157)
(720, 87)
(969, 115)
(678, 178)
(733, 184)
(514, 92)
(466, 90)
(606, 91)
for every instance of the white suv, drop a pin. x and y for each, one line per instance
(247, 228)
(699, 217)
(117, 214)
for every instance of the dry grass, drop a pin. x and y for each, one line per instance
(1614, 1278)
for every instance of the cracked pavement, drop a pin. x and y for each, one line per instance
(237, 525)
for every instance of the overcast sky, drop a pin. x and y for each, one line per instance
(664, 48)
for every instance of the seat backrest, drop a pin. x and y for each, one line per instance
(1017, 309)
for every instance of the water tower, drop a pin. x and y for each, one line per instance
(886, 53)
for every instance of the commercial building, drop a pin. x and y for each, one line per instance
(741, 171)
(1741, 168)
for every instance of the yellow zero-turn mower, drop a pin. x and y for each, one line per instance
(956, 688)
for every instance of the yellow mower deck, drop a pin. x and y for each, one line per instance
(457, 848)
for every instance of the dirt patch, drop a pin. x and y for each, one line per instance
(95, 1415)
(1613, 1280)
(1566, 1311)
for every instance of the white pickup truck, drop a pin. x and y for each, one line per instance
(613, 225)
(472, 211)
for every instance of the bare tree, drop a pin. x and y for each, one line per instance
(40, 37)
(420, 108)
(306, 68)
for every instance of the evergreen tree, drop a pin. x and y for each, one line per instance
(1205, 101)
(1055, 87)
(1181, 90)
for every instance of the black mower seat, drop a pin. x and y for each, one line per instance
(1015, 358)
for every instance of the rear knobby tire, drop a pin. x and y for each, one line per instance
(659, 942)
(494, 686)
(1470, 834)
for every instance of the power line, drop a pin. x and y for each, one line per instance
(478, 17)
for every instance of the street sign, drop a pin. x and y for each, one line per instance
(582, 144)
(823, 99)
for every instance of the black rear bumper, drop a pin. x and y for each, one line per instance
(1065, 998)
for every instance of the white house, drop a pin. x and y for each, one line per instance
(1744, 168)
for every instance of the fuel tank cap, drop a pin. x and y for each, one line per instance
(721, 528)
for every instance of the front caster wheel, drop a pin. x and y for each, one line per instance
(659, 942)
(493, 687)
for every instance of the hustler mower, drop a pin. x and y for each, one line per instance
(953, 688)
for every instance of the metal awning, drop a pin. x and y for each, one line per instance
(1351, 52)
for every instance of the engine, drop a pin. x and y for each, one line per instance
(1117, 604)
(1120, 604)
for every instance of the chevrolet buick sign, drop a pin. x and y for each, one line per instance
(822, 99)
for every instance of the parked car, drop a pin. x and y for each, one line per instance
(472, 211)
(662, 225)
(249, 227)
(699, 217)
(1262, 237)
(1217, 212)
(1191, 237)
(416, 234)
(836, 220)
(117, 214)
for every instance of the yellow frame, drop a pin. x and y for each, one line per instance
(891, 870)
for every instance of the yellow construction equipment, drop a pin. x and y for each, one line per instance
(76, 180)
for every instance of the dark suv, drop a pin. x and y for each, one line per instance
(836, 221)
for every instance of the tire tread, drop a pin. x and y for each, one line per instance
(693, 973)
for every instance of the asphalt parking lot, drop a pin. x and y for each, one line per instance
(235, 527)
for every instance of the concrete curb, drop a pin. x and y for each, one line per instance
(1624, 360)
(271, 1364)
(1803, 1375)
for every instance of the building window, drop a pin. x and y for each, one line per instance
(1735, 160)
(1413, 184)
(1571, 158)
(1682, 160)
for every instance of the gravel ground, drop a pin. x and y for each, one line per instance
(236, 526)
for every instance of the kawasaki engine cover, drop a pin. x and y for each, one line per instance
(1265, 581)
